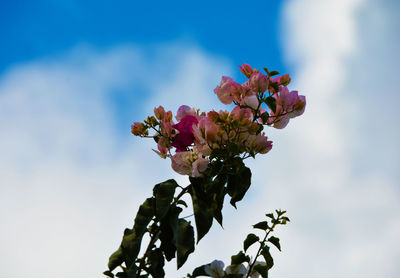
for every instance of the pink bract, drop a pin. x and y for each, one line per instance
(185, 137)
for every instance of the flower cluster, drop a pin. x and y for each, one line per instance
(195, 139)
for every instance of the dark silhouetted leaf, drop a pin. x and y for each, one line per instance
(262, 269)
(273, 73)
(275, 241)
(217, 191)
(116, 259)
(239, 258)
(238, 183)
(144, 216)
(156, 260)
(122, 275)
(132, 271)
(250, 239)
(264, 117)
(263, 225)
(108, 273)
(202, 215)
(199, 271)
(185, 244)
(169, 232)
(267, 257)
(270, 215)
(182, 202)
(133, 238)
(164, 193)
(271, 102)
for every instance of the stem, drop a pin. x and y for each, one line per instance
(259, 249)
(155, 235)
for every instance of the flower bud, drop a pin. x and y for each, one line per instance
(138, 129)
(285, 80)
(159, 112)
(246, 70)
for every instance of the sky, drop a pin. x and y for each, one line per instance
(74, 76)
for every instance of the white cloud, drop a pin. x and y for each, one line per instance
(336, 169)
(70, 181)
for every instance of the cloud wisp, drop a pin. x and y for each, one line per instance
(70, 179)
(344, 203)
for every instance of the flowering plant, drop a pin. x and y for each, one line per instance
(209, 148)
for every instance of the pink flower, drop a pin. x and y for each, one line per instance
(242, 113)
(166, 128)
(259, 82)
(181, 163)
(228, 90)
(286, 99)
(162, 151)
(183, 111)
(258, 143)
(199, 166)
(298, 107)
(252, 101)
(185, 137)
(189, 163)
(262, 145)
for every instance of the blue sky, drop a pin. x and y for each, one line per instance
(74, 76)
(245, 33)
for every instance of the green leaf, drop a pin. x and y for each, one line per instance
(238, 183)
(264, 117)
(250, 239)
(263, 225)
(239, 258)
(144, 216)
(270, 215)
(280, 212)
(156, 260)
(199, 271)
(262, 269)
(132, 271)
(275, 241)
(274, 72)
(181, 202)
(267, 71)
(169, 232)
(130, 246)
(202, 215)
(218, 192)
(164, 193)
(185, 244)
(115, 260)
(271, 102)
(233, 276)
(108, 273)
(133, 238)
(267, 257)
(284, 220)
(122, 275)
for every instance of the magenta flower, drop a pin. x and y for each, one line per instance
(185, 136)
